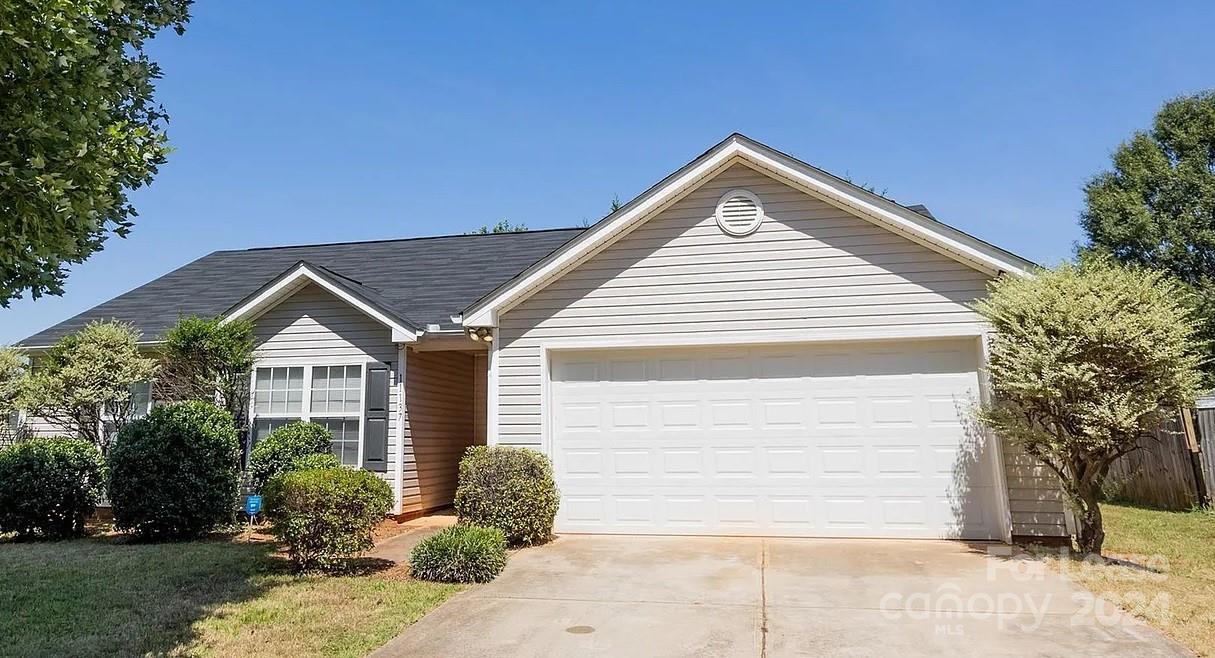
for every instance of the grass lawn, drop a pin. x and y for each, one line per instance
(1167, 575)
(95, 597)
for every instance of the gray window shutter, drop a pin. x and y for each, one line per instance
(375, 418)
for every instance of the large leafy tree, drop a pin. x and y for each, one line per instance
(85, 382)
(1085, 361)
(1156, 207)
(79, 128)
(208, 360)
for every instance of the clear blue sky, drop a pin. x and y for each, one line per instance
(316, 122)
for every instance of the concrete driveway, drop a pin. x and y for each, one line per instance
(703, 596)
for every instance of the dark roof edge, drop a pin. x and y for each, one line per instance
(385, 240)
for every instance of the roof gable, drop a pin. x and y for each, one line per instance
(735, 149)
(368, 300)
(426, 280)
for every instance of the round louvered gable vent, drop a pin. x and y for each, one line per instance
(739, 212)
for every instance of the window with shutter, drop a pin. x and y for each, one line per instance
(331, 395)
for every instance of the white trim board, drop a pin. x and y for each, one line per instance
(739, 149)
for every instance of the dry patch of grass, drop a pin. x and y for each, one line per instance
(98, 597)
(1161, 568)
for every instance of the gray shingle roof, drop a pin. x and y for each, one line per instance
(426, 280)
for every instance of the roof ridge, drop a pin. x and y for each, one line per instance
(413, 239)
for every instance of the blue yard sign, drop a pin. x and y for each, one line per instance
(253, 505)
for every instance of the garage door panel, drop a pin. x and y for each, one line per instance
(852, 440)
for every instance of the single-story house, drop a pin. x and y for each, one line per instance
(752, 346)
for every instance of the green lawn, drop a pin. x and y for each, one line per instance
(1176, 592)
(95, 597)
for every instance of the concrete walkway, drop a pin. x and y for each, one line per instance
(397, 548)
(699, 596)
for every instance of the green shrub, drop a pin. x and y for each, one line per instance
(325, 515)
(175, 473)
(315, 461)
(49, 486)
(463, 553)
(508, 488)
(275, 453)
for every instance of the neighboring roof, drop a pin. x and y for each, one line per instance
(922, 209)
(424, 280)
(911, 223)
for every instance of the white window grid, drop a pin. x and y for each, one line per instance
(338, 391)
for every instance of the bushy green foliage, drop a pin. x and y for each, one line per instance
(325, 515)
(49, 486)
(462, 553)
(315, 461)
(81, 128)
(508, 488)
(503, 226)
(1156, 207)
(14, 373)
(207, 359)
(175, 473)
(88, 376)
(275, 453)
(1086, 359)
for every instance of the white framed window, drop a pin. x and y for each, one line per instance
(141, 399)
(329, 395)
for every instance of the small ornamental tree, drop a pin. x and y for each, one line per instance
(207, 360)
(84, 382)
(1087, 359)
(14, 372)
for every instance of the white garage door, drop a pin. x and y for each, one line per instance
(856, 439)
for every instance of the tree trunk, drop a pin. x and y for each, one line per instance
(1090, 534)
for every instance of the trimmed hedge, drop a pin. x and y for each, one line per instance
(313, 462)
(462, 553)
(275, 453)
(49, 486)
(325, 515)
(508, 488)
(175, 473)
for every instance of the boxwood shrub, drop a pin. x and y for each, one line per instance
(462, 553)
(325, 515)
(315, 461)
(276, 452)
(175, 473)
(49, 486)
(508, 488)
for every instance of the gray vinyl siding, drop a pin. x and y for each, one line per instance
(439, 396)
(810, 269)
(1034, 496)
(313, 327)
(42, 427)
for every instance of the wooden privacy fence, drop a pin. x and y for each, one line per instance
(1174, 467)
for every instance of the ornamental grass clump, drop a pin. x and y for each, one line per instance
(462, 553)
